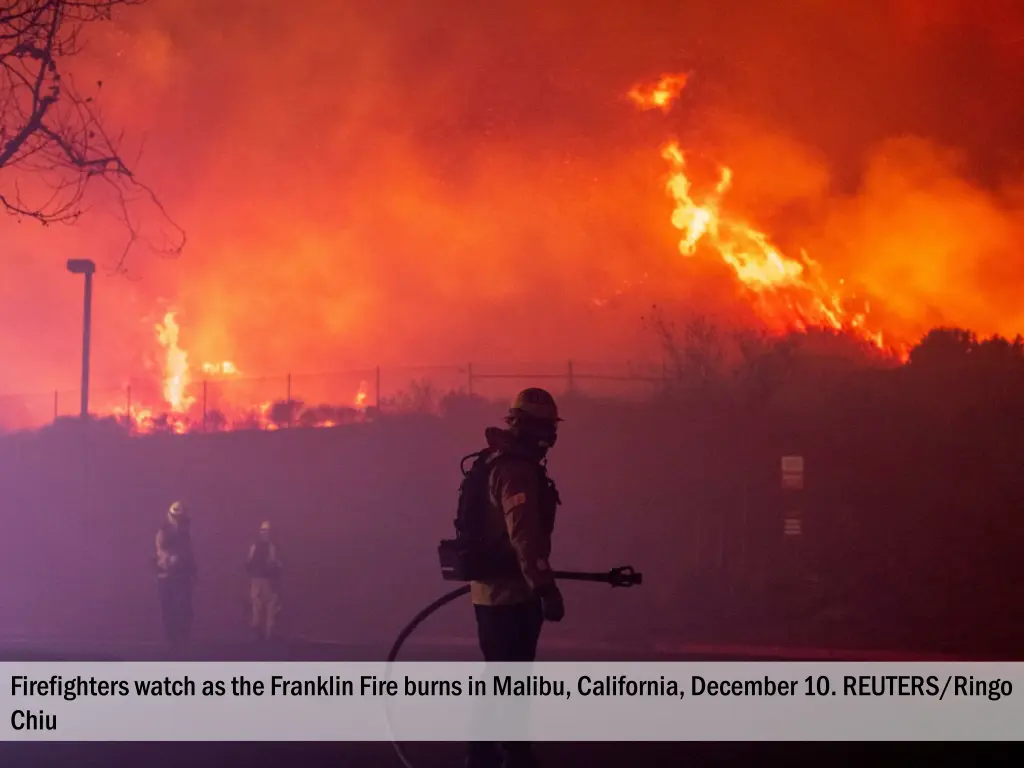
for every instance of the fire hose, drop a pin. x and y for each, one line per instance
(624, 576)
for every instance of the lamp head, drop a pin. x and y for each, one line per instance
(81, 266)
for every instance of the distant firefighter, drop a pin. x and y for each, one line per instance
(176, 574)
(264, 567)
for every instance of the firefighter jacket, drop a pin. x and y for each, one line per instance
(174, 555)
(520, 516)
(263, 561)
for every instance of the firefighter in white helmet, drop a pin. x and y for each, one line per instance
(176, 574)
(519, 519)
(264, 567)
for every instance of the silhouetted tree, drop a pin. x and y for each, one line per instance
(942, 348)
(754, 377)
(1000, 354)
(284, 412)
(421, 397)
(694, 354)
(955, 370)
(216, 421)
(53, 143)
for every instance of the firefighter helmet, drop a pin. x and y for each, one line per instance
(535, 403)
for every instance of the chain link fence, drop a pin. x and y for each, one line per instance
(227, 402)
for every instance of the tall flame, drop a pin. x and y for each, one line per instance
(176, 378)
(788, 292)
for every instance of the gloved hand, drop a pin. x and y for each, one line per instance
(552, 605)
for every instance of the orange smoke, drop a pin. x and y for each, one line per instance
(486, 187)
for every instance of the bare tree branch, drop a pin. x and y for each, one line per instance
(52, 136)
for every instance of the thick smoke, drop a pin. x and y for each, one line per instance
(366, 182)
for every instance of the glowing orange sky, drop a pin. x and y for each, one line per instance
(362, 183)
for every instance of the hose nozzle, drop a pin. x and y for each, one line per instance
(625, 576)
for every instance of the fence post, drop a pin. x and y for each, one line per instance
(376, 395)
(570, 378)
(469, 378)
(204, 405)
(288, 400)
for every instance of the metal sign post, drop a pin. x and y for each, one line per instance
(792, 486)
(793, 568)
(792, 503)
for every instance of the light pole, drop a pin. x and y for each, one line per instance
(85, 267)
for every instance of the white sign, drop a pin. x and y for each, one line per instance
(793, 482)
(577, 701)
(792, 465)
(793, 472)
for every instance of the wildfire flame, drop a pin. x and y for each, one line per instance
(182, 414)
(225, 368)
(176, 366)
(789, 293)
(661, 95)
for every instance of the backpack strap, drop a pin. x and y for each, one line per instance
(476, 456)
(474, 492)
